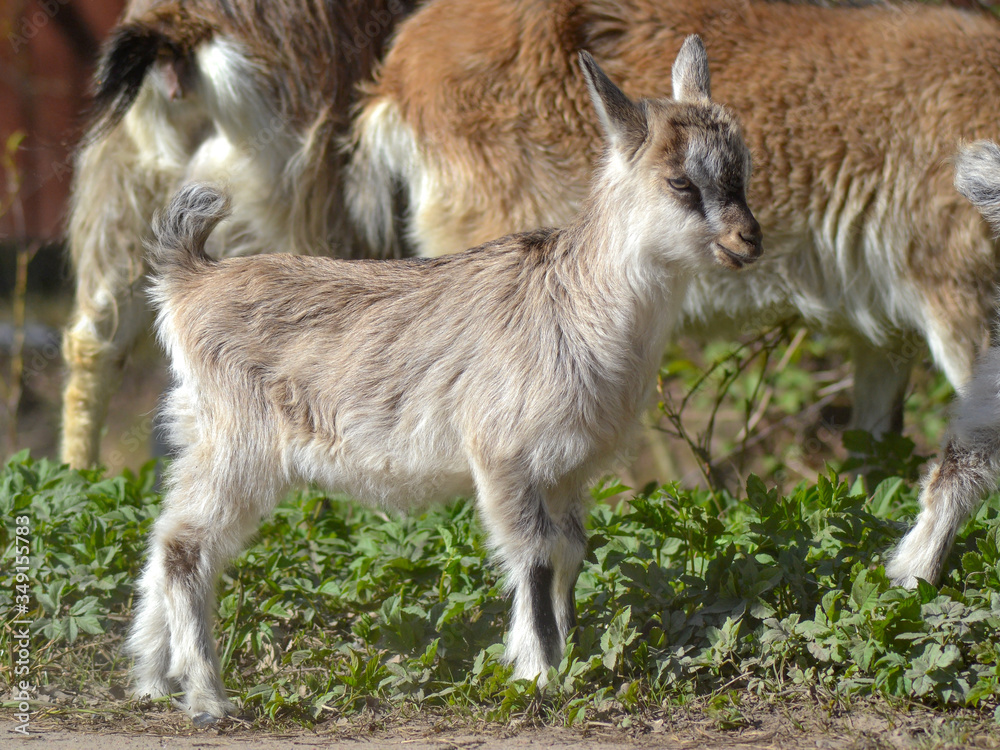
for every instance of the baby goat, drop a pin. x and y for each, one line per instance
(970, 465)
(516, 370)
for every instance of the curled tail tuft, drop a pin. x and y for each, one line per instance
(977, 177)
(180, 230)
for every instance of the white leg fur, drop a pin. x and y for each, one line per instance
(544, 599)
(524, 536)
(193, 540)
(951, 492)
(968, 471)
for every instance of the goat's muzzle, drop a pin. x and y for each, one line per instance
(741, 246)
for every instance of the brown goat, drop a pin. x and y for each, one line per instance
(854, 115)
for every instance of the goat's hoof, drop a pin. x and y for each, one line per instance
(206, 713)
(907, 576)
(204, 719)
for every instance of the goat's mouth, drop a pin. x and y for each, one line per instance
(736, 261)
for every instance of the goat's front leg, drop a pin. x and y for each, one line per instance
(568, 555)
(526, 539)
(533, 643)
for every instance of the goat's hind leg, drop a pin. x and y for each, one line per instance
(202, 527)
(968, 471)
(114, 193)
(95, 347)
(881, 375)
(149, 637)
(191, 568)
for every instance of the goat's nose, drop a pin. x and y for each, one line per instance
(752, 236)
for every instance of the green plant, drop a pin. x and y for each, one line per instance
(337, 608)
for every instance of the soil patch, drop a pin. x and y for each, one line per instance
(863, 726)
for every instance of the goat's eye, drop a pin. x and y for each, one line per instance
(681, 183)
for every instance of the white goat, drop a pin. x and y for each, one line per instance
(516, 370)
(251, 94)
(970, 463)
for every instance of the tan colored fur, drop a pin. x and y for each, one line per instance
(853, 113)
(516, 370)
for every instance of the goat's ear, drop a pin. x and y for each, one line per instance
(623, 120)
(690, 74)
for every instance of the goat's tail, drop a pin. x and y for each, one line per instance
(180, 230)
(977, 177)
(169, 33)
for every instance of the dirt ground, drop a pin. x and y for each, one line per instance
(791, 726)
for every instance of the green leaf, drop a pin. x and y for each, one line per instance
(884, 496)
(865, 593)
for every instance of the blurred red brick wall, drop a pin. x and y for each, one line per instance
(47, 51)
